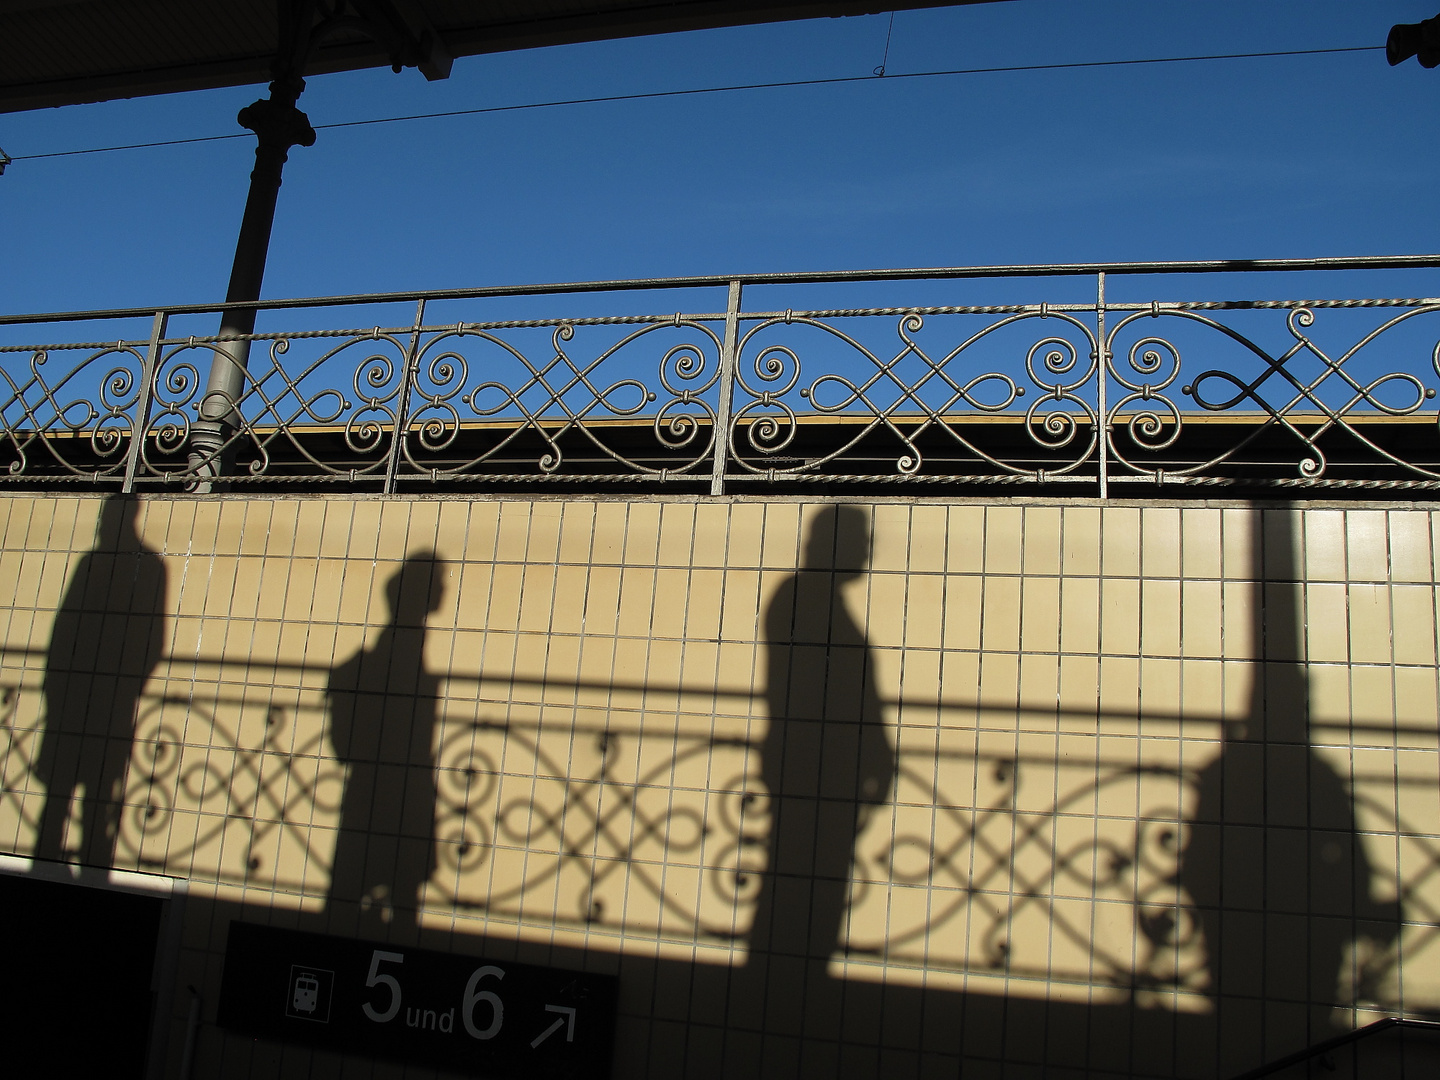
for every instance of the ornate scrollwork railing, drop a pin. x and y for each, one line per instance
(89, 406)
(913, 396)
(1334, 400)
(350, 388)
(1256, 393)
(558, 396)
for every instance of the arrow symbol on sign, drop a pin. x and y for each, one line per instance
(569, 1014)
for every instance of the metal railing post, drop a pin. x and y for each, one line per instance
(141, 420)
(1102, 418)
(728, 360)
(402, 402)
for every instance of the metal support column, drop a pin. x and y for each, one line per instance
(278, 125)
(406, 33)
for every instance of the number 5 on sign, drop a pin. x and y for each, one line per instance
(377, 958)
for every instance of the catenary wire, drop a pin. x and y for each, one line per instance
(695, 91)
(890, 33)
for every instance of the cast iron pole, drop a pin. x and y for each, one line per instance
(278, 125)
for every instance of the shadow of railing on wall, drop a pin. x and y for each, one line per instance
(1020, 866)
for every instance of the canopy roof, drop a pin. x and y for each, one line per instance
(64, 52)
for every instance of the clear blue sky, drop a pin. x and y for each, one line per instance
(1279, 157)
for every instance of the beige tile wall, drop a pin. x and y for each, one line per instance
(1055, 680)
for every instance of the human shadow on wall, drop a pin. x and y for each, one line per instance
(826, 763)
(106, 642)
(383, 713)
(1280, 881)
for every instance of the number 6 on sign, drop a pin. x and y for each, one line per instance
(467, 1011)
(376, 979)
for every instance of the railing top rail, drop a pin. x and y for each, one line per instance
(1211, 266)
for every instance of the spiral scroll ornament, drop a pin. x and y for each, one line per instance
(77, 419)
(560, 405)
(1307, 392)
(924, 402)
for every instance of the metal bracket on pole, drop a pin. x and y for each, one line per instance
(729, 358)
(141, 421)
(402, 401)
(1102, 369)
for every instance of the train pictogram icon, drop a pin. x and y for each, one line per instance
(307, 992)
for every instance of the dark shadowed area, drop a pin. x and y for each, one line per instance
(107, 639)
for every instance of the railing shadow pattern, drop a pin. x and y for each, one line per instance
(1012, 866)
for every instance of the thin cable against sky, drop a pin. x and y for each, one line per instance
(889, 34)
(650, 95)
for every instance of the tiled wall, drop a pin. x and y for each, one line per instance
(1139, 790)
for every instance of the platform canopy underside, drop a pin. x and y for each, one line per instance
(65, 52)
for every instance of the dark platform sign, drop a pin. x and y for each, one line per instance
(489, 1018)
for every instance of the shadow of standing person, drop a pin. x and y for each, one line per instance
(1281, 883)
(383, 712)
(106, 642)
(827, 763)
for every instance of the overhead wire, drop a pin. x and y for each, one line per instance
(735, 88)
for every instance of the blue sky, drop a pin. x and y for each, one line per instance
(1278, 157)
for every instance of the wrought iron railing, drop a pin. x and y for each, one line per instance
(1255, 393)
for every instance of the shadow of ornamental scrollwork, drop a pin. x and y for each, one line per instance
(1023, 867)
(18, 746)
(1035, 891)
(611, 832)
(227, 798)
(1377, 957)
